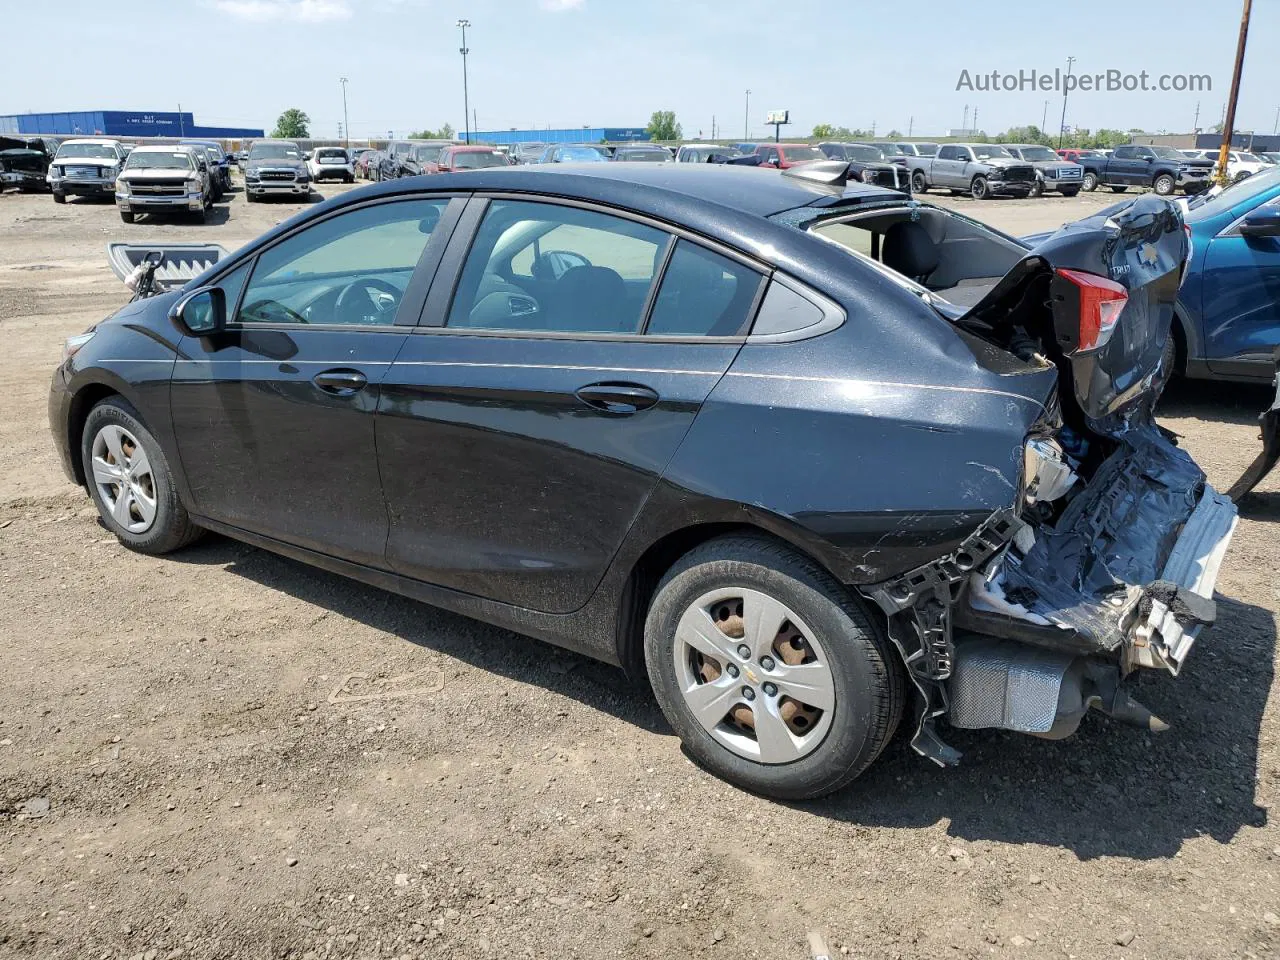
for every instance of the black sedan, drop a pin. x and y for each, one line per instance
(789, 446)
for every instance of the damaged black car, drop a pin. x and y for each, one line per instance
(811, 456)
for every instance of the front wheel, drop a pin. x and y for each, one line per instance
(59, 197)
(771, 673)
(1164, 185)
(128, 216)
(1118, 189)
(1070, 191)
(130, 481)
(979, 189)
(1037, 189)
(1090, 182)
(918, 182)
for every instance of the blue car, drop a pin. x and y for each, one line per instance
(1229, 306)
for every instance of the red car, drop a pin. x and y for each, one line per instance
(784, 155)
(470, 158)
(1075, 153)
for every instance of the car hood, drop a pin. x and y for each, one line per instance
(1141, 245)
(84, 162)
(1052, 164)
(1003, 163)
(1197, 164)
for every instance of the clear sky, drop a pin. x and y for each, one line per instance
(536, 63)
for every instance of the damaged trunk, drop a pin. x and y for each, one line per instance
(1107, 561)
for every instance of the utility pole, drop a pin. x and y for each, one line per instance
(746, 119)
(964, 124)
(182, 126)
(1044, 116)
(1062, 124)
(975, 118)
(346, 125)
(1276, 126)
(1195, 124)
(1229, 121)
(466, 99)
(911, 125)
(713, 126)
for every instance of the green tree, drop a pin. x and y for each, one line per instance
(823, 131)
(1029, 134)
(894, 135)
(292, 125)
(446, 132)
(663, 126)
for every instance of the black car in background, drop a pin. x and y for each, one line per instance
(868, 164)
(24, 162)
(410, 158)
(641, 153)
(219, 161)
(788, 448)
(527, 152)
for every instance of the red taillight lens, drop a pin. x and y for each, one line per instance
(1101, 301)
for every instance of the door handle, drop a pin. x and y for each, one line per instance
(617, 398)
(340, 383)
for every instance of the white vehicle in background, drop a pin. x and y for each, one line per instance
(1239, 164)
(330, 163)
(85, 168)
(165, 179)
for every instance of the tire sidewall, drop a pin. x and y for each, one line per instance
(171, 526)
(1163, 179)
(918, 182)
(979, 189)
(849, 743)
(1090, 182)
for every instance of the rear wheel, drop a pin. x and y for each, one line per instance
(1164, 185)
(130, 481)
(771, 673)
(979, 189)
(1090, 182)
(918, 182)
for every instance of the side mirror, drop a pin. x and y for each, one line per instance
(1149, 159)
(1262, 222)
(201, 313)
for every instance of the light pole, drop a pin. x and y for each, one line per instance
(1066, 87)
(746, 119)
(346, 125)
(466, 100)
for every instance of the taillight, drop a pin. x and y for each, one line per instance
(1101, 301)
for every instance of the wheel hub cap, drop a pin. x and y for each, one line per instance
(123, 478)
(754, 675)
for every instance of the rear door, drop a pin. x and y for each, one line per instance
(275, 416)
(529, 418)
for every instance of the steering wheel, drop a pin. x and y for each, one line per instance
(271, 311)
(554, 264)
(351, 308)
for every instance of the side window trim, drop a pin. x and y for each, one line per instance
(655, 284)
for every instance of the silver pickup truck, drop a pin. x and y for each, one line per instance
(979, 169)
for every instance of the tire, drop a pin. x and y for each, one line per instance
(863, 680)
(918, 183)
(249, 197)
(170, 527)
(978, 189)
(59, 197)
(1118, 189)
(128, 216)
(1070, 191)
(1090, 182)
(1037, 190)
(200, 216)
(1164, 185)
(1169, 357)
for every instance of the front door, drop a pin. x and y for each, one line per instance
(522, 430)
(1240, 288)
(274, 417)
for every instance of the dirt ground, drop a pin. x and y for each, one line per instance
(228, 754)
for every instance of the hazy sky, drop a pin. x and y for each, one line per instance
(536, 63)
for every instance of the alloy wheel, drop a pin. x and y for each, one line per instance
(123, 477)
(754, 676)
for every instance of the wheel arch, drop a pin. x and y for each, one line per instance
(661, 555)
(84, 398)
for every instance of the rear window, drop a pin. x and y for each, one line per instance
(797, 154)
(475, 160)
(331, 154)
(703, 295)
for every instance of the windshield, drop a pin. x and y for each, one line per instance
(578, 154)
(927, 149)
(531, 149)
(1167, 153)
(475, 160)
(986, 151)
(427, 154)
(275, 151)
(178, 160)
(798, 154)
(1204, 206)
(862, 153)
(1038, 153)
(643, 156)
(889, 149)
(87, 151)
(907, 149)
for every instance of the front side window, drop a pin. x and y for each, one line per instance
(703, 294)
(349, 269)
(543, 267)
(1125, 153)
(947, 153)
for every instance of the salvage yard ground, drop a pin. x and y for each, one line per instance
(229, 754)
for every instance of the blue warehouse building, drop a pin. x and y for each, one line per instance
(569, 135)
(118, 123)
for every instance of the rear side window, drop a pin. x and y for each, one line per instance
(947, 153)
(703, 295)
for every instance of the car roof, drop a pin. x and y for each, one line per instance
(472, 148)
(291, 143)
(100, 141)
(164, 147)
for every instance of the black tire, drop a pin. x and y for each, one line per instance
(1169, 356)
(1090, 182)
(172, 528)
(249, 197)
(1118, 189)
(128, 216)
(59, 197)
(1164, 185)
(867, 676)
(1070, 191)
(979, 189)
(918, 183)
